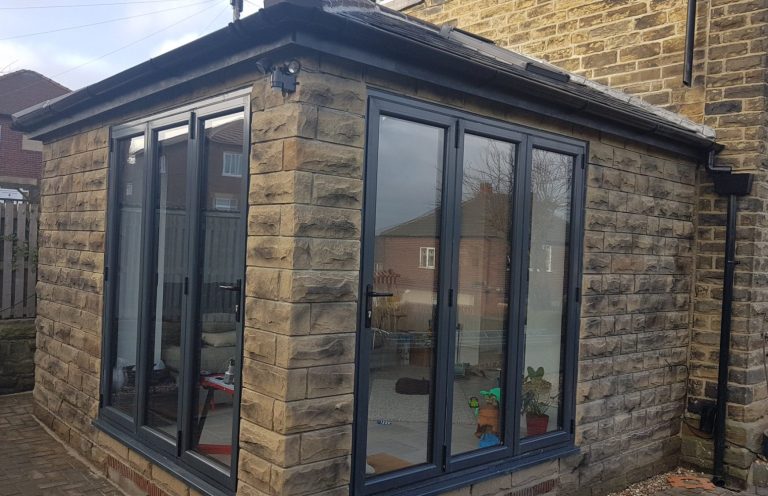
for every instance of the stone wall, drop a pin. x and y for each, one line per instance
(301, 284)
(69, 312)
(637, 286)
(637, 46)
(636, 303)
(17, 354)
(301, 297)
(69, 288)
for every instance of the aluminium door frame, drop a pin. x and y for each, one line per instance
(524, 452)
(130, 430)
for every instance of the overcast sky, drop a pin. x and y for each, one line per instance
(82, 55)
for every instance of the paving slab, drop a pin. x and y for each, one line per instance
(33, 463)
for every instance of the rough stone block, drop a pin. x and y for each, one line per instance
(333, 317)
(280, 187)
(278, 317)
(310, 478)
(340, 127)
(326, 158)
(319, 222)
(331, 380)
(311, 351)
(266, 157)
(334, 191)
(307, 286)
(313, 414)
(279, 383)
(285, 121)
(326, 443)
(280, 449)
(330, 91)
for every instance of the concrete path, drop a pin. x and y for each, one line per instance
(33, 463)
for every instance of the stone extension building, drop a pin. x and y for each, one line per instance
(638, 46)
(206, 336)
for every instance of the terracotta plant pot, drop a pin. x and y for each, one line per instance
(536, 424)
(487, 420)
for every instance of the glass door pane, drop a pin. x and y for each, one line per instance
(403, 295)
(547, 291)
(131, 167)
(221, 248)
(171, 259)
(483, 293)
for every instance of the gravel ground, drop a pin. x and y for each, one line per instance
(660, 484)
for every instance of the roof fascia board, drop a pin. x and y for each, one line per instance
(494, 85)
(157, 88)
(385, 50)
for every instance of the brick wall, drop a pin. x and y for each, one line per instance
(15, 160)
(634, 45)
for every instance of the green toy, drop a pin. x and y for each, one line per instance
(492, 394)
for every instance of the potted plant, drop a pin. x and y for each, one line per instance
(534, 382)
(536, 418)
(488, 413)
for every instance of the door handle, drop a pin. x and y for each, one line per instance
(370, 294)
(374, 294)
(237, 287)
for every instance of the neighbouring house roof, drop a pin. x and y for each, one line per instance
(482, 216)
(363, 31)
(24, 88)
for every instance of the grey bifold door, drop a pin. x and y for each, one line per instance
(174, 308)
(467, 303)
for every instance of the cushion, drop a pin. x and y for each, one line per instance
(220, 339)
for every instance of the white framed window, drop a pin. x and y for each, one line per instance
(224, 203)
(232, 164)
(426, 257)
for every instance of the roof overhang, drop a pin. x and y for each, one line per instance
(305, 24)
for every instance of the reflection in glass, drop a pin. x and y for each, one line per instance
(483, 293)
(216, 326)
(547, 286)
(131, 164)
(406, 252)
(170, 238)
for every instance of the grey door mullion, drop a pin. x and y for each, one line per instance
(190, 288)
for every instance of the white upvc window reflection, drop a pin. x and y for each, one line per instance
(426, 257)
(232, 164)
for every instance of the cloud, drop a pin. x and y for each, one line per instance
(252, 6)
(170, 44)
(59, 55)
(14, 56)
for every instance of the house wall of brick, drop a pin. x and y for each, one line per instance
(637, 46)
(302, 260)
(20, 163)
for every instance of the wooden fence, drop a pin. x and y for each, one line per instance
(18, 259)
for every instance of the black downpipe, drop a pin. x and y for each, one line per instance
(729, 270)
(690, 37)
